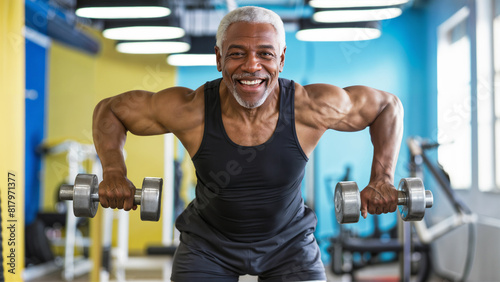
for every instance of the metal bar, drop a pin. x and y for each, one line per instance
(122, 250)
(404, 230)
(69, 248)
(471, 29)
(168, 192)
(69, 251)
(443, 182)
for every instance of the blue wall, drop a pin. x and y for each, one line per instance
(395, 62)
(36, 64)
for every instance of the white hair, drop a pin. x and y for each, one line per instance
(251, 14)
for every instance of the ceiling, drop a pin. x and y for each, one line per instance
(197, 17)
(201, 17)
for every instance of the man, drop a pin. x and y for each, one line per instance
(249, 135)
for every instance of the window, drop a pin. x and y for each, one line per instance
(454, 99)
(486, 120)
(496, 59)
(469, 97)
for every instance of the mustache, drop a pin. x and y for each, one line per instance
(247, 75)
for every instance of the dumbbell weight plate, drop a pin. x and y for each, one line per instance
(151, 198)
(83, 205)
(347, 202)
(414, 209)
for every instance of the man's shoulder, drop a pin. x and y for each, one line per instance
(188, 92)
(310, 89)
(321, 89)
(179, 97)
(318, 95)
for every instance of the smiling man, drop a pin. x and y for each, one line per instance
(249, 135)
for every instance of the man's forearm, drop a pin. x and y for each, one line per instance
(386, 135)
(109, 136)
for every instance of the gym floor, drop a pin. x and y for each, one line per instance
(381, 273)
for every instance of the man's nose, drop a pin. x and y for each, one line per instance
(252, 64)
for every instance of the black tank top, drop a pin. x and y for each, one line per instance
(247, 193)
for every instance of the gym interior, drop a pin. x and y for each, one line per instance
(440, 57)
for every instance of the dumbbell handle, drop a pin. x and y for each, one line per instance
(66, 194)
(403, 199)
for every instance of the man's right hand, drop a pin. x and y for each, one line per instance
(116, 191)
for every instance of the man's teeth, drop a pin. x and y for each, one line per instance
(250, 82)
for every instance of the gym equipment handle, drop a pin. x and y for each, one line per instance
(66, 194)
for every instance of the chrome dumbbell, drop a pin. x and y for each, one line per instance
(413, 199)
(85, 197)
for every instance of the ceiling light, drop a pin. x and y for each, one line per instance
(192, 60)
(143, 32)
(152, 47)
(202, 53)
(142, 29)
(338, 34)
(339, 16)
(354, 3)
(357, 31)
(98, 9)
(122, 12)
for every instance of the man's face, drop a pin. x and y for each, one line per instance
(250, 62)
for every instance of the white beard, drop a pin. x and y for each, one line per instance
(249, 105)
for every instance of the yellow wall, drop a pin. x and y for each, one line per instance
(12, 140)
(77, 82)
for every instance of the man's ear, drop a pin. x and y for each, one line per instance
(218, 58)
(282, 59)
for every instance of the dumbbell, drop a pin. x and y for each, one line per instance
(413, 199)
(85, 197)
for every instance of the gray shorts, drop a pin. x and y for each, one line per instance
(275, 259)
